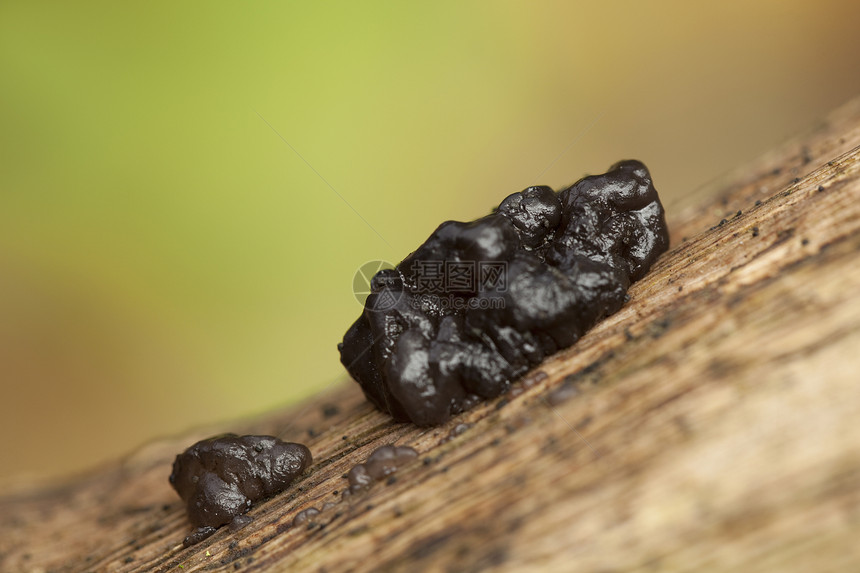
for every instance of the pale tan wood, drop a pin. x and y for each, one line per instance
(717, 426)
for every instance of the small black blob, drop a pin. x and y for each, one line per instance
(220, 477)
(479, 304)
(358, 478)
(330, 410)
(381, 463)
(385, 460)
(305, 515)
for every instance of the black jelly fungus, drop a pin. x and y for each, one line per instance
(380, 464)
(239, 522)
(385, 460)
(546, 266)
(305, 515)
(220, 477)
(359, 477)
(199, 535)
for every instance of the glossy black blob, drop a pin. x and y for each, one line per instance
(382, 462)
(358, 477)
(547, 267)
(385, 460)
(219, 478)
(304, 515)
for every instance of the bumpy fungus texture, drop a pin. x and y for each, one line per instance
(547, 267)
(219, 478)
(384, 461)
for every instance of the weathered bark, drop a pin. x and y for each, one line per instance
(716, 426)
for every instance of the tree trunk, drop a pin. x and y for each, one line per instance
(713, 424)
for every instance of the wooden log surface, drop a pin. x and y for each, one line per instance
(713, 424)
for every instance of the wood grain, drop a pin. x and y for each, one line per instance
(713, 424)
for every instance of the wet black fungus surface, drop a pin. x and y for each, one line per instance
(385, 460)
(381, 464)
(422, 353)
(221, 477)
(305, 515)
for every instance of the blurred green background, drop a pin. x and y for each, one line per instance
(167, 260)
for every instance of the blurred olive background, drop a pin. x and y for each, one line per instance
(168, 260)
